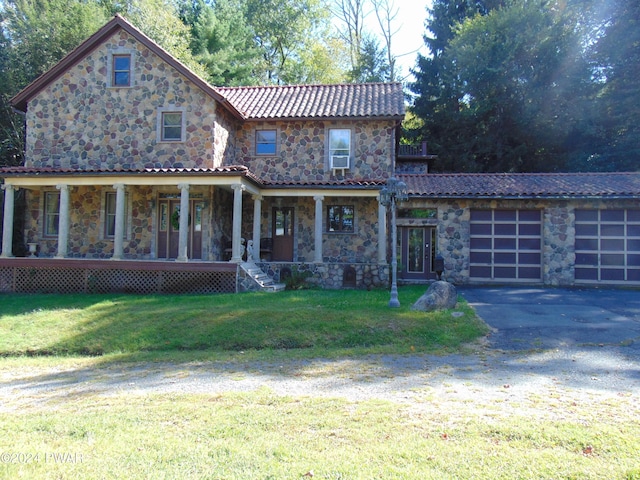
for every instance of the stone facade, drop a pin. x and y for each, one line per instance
(331, 275)
(302, 151)
(120, 124)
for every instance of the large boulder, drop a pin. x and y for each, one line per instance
(440, 295)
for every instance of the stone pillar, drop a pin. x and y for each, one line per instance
(382, 233)
(236, 248)
(317, 239)
(257, 217)
(7, 223)
(118, 235)
(63, 221)
(183, 235)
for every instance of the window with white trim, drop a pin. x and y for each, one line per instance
(339, 148)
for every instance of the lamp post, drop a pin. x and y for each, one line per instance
(394, 192)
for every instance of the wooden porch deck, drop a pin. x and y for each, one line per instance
(76, 275)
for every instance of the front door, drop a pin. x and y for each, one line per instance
(169, 225)
(416, 253)
(283, 234)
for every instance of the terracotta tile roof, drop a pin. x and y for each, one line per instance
(317, 101)
(50, 171)
(524, 185)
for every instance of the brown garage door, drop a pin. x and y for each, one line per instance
(506, 245)
(607, 246)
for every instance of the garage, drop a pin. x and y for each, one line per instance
(607, 246)
(505, 245)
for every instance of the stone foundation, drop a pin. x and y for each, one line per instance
(332, 275)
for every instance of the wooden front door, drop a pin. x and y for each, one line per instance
(416, 253)
(169, 224)
(283, 227)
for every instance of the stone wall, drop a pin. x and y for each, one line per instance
(301, 151)
(367, 276)
(80, 122)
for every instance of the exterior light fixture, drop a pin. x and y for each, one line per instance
(394, 192)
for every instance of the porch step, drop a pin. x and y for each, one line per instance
(265, 282)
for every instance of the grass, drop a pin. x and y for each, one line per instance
(265, 436)
(304, 323)
(71, 433)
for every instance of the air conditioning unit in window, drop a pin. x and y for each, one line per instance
(339, 162)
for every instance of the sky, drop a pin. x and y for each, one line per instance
(407, 42)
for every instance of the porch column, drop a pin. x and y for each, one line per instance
(317, 239)
(183, 236)
(257, 216)
(382, 233)
(7, 223)
(63, 221)
(118, 234)
(236, 247)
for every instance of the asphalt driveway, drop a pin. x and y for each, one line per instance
(528, 318)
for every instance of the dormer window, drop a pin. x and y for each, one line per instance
(339, 148)
(121, 71)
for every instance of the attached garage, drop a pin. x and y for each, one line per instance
(557, 229)
(505, 245)
(607, 246)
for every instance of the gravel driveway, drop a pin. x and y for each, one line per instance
(535, 349)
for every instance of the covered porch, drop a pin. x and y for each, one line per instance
(133, 222)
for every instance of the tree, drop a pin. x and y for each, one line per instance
(436, 101)
(617, 56)
(372, 63)
(282, 30)
(386, 12)
(223, 42)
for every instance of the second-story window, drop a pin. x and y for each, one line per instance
(266, 142)
(121, 71)
(339, 148)
(171, 129)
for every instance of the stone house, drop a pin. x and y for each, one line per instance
(122, 139)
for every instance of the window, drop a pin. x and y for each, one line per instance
(110, 214)
(266, 142)
(121, 71)
(340, 218)
(171, 125)
(51, 213)
(339, 148)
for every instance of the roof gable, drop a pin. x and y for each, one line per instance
(21, 100)
(365, 100)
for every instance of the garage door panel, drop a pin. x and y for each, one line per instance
(506, 245)
(609, 242)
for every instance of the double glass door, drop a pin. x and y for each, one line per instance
(169, 226)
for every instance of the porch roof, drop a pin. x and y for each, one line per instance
(524, 185)
(28, 176)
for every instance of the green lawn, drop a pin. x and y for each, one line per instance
(73, 434)
(304, 323)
